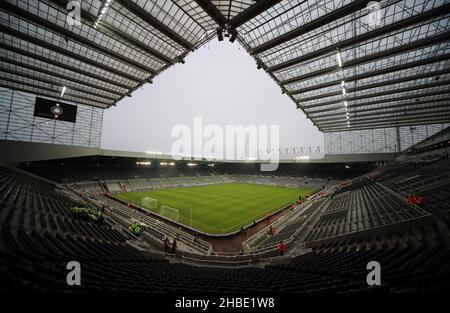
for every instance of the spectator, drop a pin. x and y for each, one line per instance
(166, 245)
(174, 246)
(410, 200)
(281, 247)
(421, 201)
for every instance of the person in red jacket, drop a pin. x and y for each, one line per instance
(281, 247)
(421, 201)
(410, 200)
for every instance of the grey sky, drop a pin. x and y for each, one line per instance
(221, 84)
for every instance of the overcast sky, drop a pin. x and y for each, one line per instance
(219, 83)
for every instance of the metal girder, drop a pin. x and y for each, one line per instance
(75, 37)
(65, 52)
(155, 23)
(373, 57)
(116, 32)
(377, 85)
(252, 12)
(381, 101)
(365, 121)
(366, 36)
(64, 66)
(390, 123)
(321, 21)
(213, 12)
(136, 43)
(387, 125)
(5, 85)
(382, 71)
(396, 122)
(341, 117)
(56, 83)
(382, 93)
(392, 106)
(60, 76)
(68, 93)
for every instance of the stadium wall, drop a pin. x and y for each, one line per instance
(18, 122)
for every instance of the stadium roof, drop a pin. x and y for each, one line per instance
(347, 65)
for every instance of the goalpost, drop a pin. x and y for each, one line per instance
(149, 203)
(170, 213)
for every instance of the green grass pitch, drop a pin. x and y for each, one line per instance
(223, 208)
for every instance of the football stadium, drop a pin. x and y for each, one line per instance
(338, 180)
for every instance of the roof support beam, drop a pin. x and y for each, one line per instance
(387, 122)
(375, 119)
(377, 85)
(381, 71)
(373, 57)
(62, 65)
(56, 83)
(411, 106)
(387, 125)
(393, 122)
(155, 23)
(321, 21)
(252, 12)
(382, 93)
(387, 100)
(340, 117)
(65, 52)
(40, 93)
(75, 37)
(67, 94)
(57, 75)
(116, 32)
(213, 12)
(366, 36)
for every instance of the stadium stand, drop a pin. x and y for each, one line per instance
(372, 76)
(44, 235)
(360, 206)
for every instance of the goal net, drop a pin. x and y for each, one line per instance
(170, 213)
(149, 203)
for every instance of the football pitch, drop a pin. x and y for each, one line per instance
(218, 209)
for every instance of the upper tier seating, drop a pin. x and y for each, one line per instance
(359, 206)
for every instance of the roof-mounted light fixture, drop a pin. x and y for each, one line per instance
(220, 34)
(234, 34)
(63, 91)
(102, 12)
(339, 58)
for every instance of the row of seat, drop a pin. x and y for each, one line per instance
(158, 229)
(363, 205)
